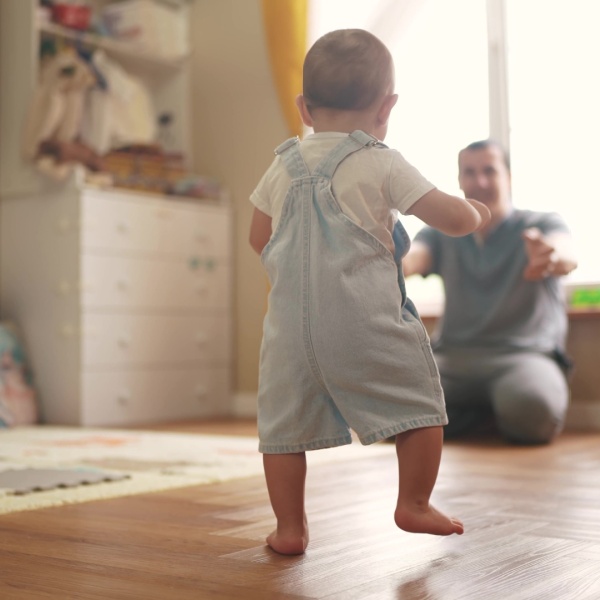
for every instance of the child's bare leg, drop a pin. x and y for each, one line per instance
(286, 475)
(419, 453)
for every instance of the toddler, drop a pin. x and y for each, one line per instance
(343, 347)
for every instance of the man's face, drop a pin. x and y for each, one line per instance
(483, 176)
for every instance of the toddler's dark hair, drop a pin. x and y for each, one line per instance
(346, 69)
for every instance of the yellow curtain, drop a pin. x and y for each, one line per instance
(285, 27)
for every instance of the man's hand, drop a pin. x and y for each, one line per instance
(542, 255)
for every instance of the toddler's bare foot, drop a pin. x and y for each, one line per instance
(419, 519)
(288, 544)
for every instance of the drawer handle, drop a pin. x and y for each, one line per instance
(124, 341)
(201, 288)
(123, 285)
(123, 227)
(123, 397)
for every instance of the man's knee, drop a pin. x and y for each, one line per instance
(528, 419)
(530, 400)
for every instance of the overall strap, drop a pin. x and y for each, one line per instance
(355, 141)
(289, 152)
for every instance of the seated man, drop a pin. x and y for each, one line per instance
(500, 343)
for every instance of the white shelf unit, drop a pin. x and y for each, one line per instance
(123, 298)
(166, 78)
(124, 52)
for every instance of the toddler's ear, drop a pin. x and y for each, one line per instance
(385, 109)
(303, 110)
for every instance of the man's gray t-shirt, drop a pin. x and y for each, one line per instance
(488, 303)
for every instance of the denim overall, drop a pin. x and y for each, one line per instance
(342, 346)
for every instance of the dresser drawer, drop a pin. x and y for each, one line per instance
(124, 282)
(121, 341)
(117, 223)
(146, 396)
(120, 222)
(188, 231)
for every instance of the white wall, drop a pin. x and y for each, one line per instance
(236, 125)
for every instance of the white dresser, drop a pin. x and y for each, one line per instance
(124, 300)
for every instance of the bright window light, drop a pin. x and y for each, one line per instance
(440, 50)
(554, 100)
(440, 53)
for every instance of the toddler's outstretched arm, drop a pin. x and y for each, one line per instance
(452, 215)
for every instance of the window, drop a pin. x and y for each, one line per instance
(441, 75)
(551, 51)
(441, 80)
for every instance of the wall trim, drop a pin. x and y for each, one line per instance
(244, 405)
(583, 416)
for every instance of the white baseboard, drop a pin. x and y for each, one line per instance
(583, 416)
(244, 405)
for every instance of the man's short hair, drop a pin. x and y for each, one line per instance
(488, 143)
(346, 69)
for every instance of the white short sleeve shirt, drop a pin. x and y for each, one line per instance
(370, 185)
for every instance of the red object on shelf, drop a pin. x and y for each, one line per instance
(76, 16)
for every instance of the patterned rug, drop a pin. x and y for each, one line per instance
(46, 466)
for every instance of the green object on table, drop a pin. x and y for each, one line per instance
(586, 298)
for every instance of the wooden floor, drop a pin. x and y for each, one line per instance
(532, 518)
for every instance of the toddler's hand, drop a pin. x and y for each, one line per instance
(483, 210)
